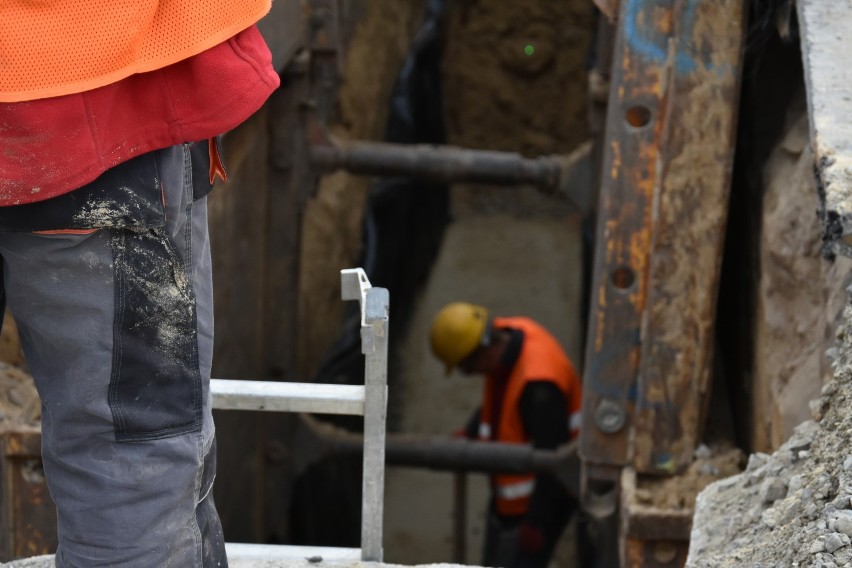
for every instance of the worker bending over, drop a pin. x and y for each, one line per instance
(531, 396)
(107, 108)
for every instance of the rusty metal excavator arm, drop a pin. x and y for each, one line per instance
(667, 155)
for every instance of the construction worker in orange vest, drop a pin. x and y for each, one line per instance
(531, 395)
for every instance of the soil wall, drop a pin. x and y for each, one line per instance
(515, 74)
(515, 80)
(800, 293)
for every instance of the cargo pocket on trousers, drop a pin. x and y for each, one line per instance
(155, 387)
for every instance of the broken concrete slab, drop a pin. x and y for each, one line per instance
(826, 43)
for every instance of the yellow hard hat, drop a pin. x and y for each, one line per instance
(457, 330)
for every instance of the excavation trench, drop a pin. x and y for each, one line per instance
(512, 78)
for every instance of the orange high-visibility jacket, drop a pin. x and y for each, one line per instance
(541, 359)
(58, 47)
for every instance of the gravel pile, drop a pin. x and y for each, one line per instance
(792, 508)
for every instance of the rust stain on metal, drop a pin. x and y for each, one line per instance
(633, 553)
(631, 159)
(616, 160)
(663, 20)
(14, 445)
(654, 554)
(686, 250)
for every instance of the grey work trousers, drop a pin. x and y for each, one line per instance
(116, 323)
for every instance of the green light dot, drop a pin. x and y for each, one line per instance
(529, 49)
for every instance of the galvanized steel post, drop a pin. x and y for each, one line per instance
(375, 305)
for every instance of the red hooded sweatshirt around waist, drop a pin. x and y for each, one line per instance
(51, 146)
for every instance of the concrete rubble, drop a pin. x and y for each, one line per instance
(792, 508)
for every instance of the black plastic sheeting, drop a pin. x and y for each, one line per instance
(404, 224)
(405, 219)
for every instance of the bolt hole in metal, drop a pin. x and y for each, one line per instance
(638, 116)
(623, 277)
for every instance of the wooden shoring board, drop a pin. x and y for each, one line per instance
(826, 43)
(668, 150)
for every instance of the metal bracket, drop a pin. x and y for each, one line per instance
(353, 286)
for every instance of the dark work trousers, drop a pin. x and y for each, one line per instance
(110, 286)
(503, 539)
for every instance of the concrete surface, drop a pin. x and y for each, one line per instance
(826, 42)
(47, 562)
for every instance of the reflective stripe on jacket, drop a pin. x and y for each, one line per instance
(58, 47)
(541, 359)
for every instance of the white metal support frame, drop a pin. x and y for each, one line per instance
(369, 400)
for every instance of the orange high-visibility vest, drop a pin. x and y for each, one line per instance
(541, 359)
(58, 47)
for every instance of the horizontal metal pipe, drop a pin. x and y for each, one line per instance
(320, 439)
(447, 454)
(453, 454)
(437, 163)
(462, 455)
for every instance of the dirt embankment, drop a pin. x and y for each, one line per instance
(800, 295)
(515, 81)
(515, 75)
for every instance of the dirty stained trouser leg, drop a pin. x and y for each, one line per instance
(117, 330)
